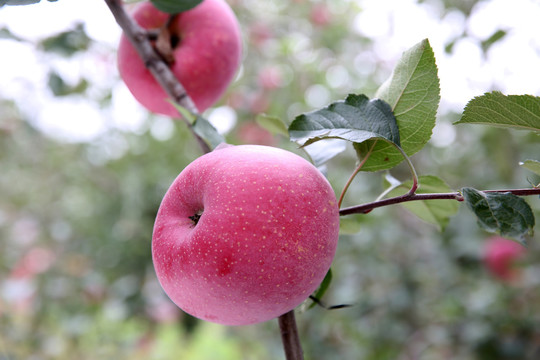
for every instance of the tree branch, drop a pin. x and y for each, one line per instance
(366, 208)
(289, 336)
(140, 39)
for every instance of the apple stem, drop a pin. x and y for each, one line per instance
(289, 336)
(140, 39)
(163, 45)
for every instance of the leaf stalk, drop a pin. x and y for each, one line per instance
(353, 175)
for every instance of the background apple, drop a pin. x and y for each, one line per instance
(501, 255)
(207, 49)
(320, 15)
(245, 234)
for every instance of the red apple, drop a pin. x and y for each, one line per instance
(206, 55)
(320, 15)
(245, 234)
(270, 78)
(259, 34)
(500, 256)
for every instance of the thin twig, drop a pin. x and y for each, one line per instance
(366, 208)
(289, 336)
(140, 40)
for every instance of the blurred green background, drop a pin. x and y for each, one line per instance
(77, 207)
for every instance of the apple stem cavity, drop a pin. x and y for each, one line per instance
(166, 42)
(175, 41)
(195, 218)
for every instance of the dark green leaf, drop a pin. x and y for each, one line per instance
(208, 132)
(505, 213)
(437, 212)
(413, 93)
(323, 287)
(67, 43)
(497, 109)
(175, 6)
(356, 119)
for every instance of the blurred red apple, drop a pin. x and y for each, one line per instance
(36, 261)
(320, 15)
(252, 133)
(270, 78)
(206, 44)
(245, 234)
(259, 33)
(501, 255)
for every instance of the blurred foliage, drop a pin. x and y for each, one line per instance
(76, 278)
(67, 43)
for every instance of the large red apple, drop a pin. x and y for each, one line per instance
(245, 234)
(207, 48)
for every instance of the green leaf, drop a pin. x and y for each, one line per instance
(272, 124)
(175, 6)
(505, 213)
(495, 37)
(5, 33)
(356, 119)
(496, 109)
(413, 93)
(200, 126)
(60, 88)
(208, 132)
(437, 212)
(531, 165)
(186, 114)
(68, 42)
(323, 287)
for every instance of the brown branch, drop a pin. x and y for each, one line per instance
(289, 336)
(366, 208)
(140, 39)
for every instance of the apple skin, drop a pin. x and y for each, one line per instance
(265, 239)
(207, 56)
(500, 256)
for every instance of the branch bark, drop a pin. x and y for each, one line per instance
(366, 208)
(140, 40)
(289, 336)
